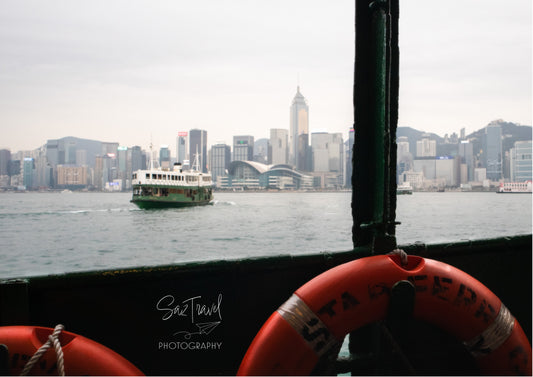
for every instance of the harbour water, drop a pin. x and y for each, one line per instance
(51, 233)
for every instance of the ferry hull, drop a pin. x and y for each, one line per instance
(159, 204)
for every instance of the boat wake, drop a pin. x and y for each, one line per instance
(223, 203)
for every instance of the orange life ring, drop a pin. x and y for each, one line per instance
(82, 356)
(319, 314)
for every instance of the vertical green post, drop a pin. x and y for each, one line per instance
(375, 121)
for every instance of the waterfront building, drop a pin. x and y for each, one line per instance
(252, 174)
(463, 174)
(5, 181)
(243, 148)
(480, 174)
(492, 151)
(299, 133)
(72, 177)
(182, 153)
(278, 147)
(404, 158)
(349, 153)
(466, 154)
(447, 170)
(426, 147)
(439, 171)
(521, 161)
(5, 157)
(413, 178)
(327, 152)
(426, 166)
(198, 145)
(124, 166)
(320, 142)
(105, 170)
(219, 161)
(27, 172)
(43, 172)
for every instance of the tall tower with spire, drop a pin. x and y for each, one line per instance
(299, 133)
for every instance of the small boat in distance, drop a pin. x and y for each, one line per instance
(515, 188)
(176, 187)
(404, 189)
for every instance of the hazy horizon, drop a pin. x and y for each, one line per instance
(137, 71)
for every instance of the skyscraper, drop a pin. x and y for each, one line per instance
(5, 157)
(466, 153)
(138, 160)
(404, 159)
(28, 169)
(425, 147)
(327, 152)
(349, 154)
(220, 160)
(198, 145)
(164, 157)
(492, 151)
(299, 133)
(521, 161)
(243, 148)
(279, 148)
(181, 147)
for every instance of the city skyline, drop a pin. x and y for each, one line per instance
(431, 162)
(174, 66)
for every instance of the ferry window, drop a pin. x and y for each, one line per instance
(450, 157)
(147, 176)
(154, 176)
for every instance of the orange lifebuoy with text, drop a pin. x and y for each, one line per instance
(317, 317)
(81, 356)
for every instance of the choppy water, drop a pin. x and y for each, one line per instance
(46, 233)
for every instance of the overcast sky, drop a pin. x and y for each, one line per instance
(133, 71)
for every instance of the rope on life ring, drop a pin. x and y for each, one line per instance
(52, 340)
(72, 354)
(313, 322)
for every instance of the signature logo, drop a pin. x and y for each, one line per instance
(205, 315)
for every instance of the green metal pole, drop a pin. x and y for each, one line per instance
(375, 100)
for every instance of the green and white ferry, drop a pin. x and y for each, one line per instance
(162, 188)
